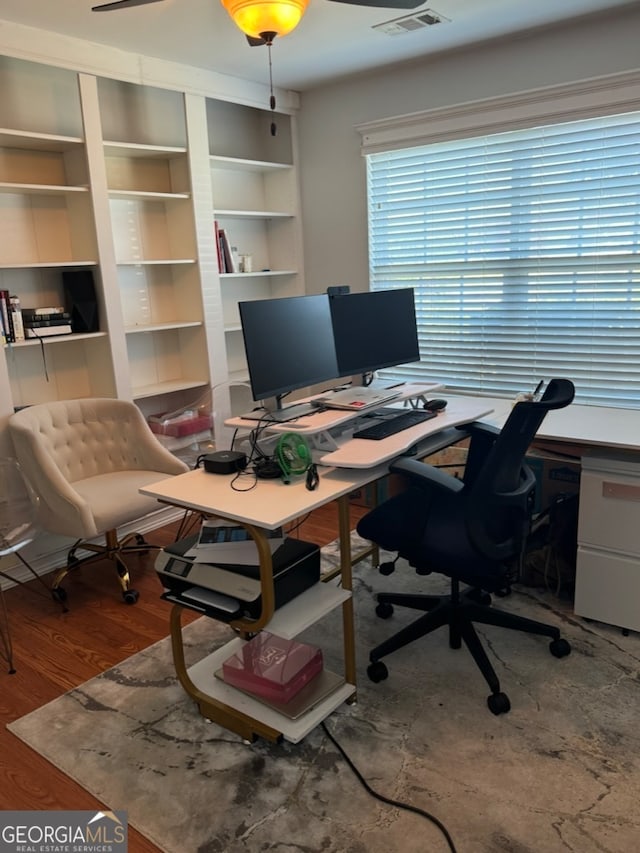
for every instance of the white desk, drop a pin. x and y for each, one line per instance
(587, 426)
(607, 440)
(271, 504)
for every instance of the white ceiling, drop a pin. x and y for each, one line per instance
(332, 39)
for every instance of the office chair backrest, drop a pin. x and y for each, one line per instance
(500, 486)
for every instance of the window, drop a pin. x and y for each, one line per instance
(523, 248)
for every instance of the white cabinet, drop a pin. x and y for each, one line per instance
(608, 564)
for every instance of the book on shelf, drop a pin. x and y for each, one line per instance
(216, 232)
(44, 311)
(5, 310)
(273, 668)
(227, 255)
(40, 321)
(16, 318)
(47, 331)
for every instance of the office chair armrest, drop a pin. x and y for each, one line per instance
(423, 474)
(481, 429)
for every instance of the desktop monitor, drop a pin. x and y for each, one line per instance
(374, 330)
(289, 345)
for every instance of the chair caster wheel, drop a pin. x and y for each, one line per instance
(387, 568)
(498, 703)
(384, 610)
(59, 594)
(130, 596)
(141, 542)
(377, 671)
(559, 648)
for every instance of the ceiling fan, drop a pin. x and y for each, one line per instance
(380, 4)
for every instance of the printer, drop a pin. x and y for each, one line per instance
(233, 591)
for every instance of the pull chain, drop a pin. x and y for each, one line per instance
(272, 98)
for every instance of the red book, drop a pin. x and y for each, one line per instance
(216, 232)
(273, 668)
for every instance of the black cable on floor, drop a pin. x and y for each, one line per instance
(387, 800)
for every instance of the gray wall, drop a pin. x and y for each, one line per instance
(332, 170)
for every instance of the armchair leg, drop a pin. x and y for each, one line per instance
(113, 549)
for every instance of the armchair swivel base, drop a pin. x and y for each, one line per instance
(459, 611)
(113, 549)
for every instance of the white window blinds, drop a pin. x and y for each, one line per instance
(523, 250)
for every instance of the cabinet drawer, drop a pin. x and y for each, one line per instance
(610, 511)
(608, 588)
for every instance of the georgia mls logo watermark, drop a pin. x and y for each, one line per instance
(63, 832)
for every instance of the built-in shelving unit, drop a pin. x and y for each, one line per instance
(125, 181)
(255, 197)
(46, 227)
(156, 256)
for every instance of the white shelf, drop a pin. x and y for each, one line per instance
(241, 165)
(139, 149)
(306, 609)
(257, 274)
(145, 195)
(168, 387)
(59, 339)
(38, 141)
(253, 214)
(49, 265)
(203, 676)
(161, 327)
(140, 262)
(40, 189)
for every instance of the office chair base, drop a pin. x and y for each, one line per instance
(113, 549)
(459, 612)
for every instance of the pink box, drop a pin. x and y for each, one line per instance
(186, 424)
(273, 668)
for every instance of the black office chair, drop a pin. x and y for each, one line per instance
(472, 530)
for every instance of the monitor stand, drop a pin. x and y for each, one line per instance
(278, 413)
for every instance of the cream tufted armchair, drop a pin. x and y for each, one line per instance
(87, 459)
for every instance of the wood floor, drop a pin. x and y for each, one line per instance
(55, 651)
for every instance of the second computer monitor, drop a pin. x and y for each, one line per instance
(374, 330)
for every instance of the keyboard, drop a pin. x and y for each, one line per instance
(396, 423)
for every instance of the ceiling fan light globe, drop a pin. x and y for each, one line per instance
(255, 17)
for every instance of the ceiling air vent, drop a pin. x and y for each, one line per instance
(409, 23)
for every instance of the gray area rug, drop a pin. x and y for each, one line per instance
(560, 772)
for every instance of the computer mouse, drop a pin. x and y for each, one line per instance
(435, 405)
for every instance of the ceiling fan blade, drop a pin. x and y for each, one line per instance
(383, 4)
(121, 4)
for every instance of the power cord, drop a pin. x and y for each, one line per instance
(388, 800)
